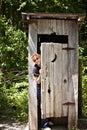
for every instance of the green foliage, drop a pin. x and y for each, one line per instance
(74, 128)
(83, 59)
(14, 102)
(13, 48)
(84, 95)
(55, 6)
(14, 52)
(13, 72)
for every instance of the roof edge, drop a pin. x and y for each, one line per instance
(60, 16)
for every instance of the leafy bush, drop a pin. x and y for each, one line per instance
(84, 95)
(14, 102)
(13, 72)
(83, 58)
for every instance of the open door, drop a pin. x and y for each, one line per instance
(54, 64)
(57, 87)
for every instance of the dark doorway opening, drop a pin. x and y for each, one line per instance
(51, 38)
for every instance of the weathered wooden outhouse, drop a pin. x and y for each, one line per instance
(57, 34)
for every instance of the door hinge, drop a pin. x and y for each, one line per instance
(69, 103)
(68, 48)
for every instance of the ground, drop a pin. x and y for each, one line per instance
(11, 125)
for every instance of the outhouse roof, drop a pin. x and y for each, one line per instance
(60, 16)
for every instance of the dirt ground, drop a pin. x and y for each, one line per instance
(11, 125)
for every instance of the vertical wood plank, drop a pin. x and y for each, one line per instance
(52, 26)
(43, 79)
(59, 27)
(52, 78)
(33, 38)
(55, 74)
(43, 26)
(46, 26)
(75, 84)
(73, 69)
(32, 85)
(65, 80)
(58, 80)
(47, 91)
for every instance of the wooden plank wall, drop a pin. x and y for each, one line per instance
(32, 84)
(70, 28)
(61, 27)
(73, 72)
(54, 80)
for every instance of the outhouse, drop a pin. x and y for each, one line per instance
(57, 36)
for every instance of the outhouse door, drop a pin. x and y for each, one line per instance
(58, 88)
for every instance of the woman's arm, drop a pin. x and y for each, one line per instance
(38, 79)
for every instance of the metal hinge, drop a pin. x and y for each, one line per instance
(68, 48)
(69, 103)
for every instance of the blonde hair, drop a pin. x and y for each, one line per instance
(35, 55)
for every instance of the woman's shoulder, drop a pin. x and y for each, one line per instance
(36, 69)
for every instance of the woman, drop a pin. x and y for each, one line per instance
(36, 58)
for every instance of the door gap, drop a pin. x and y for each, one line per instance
(50, 38)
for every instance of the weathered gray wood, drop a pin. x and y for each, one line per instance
(73, 70)
(75, 84)
(43, 27)
(52, 79)
(52, 26)
(43, 84)
(46, 26)
(65, 79)
(57, 80)
(32, 85)
(71, 108)
(58, 16)
(59, 76)
(61, 94)
(33, 38)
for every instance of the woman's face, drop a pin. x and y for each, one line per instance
(37, 60)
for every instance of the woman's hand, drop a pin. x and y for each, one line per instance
(41, 71)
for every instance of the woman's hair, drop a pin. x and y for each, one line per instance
(35, 55)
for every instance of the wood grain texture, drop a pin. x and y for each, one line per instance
(52, 77)
(60, 78)
(32, 84)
